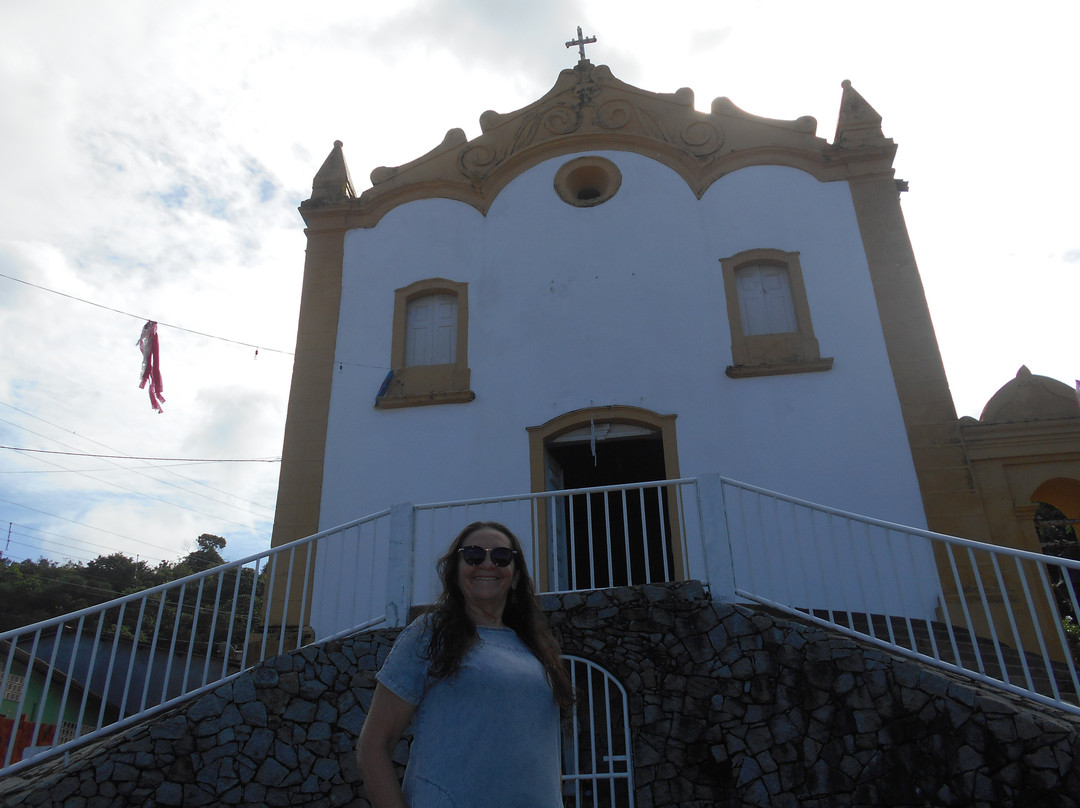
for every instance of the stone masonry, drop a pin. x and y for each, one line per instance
(729, 706)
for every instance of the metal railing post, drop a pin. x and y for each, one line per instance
(715, 540)
(399, 568)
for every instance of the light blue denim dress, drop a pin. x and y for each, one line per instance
(486, 738)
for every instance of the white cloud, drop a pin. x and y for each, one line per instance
(154, 156)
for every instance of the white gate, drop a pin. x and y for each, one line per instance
(597, 769)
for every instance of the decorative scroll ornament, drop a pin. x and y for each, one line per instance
(614, 114)
(702, 138)
(477, 161)
(596, 102)
(561, 120)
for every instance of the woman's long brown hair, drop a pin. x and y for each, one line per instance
(453, 633)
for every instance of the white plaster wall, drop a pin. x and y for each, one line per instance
(575, 307)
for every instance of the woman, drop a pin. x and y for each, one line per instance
(481, 680)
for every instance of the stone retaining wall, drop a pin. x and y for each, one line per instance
(729, 706)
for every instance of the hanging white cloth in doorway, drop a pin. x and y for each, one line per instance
(595, 434)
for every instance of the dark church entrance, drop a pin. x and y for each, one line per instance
(609, 538)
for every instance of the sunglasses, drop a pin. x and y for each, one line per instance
(474, 556)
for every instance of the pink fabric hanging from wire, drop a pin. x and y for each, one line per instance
(151, 364)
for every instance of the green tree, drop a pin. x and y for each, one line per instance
(207, 556)
(32, 591)
(118, 573)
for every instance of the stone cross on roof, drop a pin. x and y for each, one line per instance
(581, 42)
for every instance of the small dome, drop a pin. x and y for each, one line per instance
(1031, 398)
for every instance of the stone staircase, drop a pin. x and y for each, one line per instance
(728, 706)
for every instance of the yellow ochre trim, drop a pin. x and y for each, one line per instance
(422, 385)
(771, 354)
(589, 110)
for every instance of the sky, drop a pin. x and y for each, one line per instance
(153, 155)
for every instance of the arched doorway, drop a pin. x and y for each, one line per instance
(617, 537)
(1062, 493)
(1057, 515)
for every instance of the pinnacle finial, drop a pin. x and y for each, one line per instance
(332, 181)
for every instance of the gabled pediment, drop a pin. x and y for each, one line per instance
(588, 109)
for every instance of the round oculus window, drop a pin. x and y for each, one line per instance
(587, 181)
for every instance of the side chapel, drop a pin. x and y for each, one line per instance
(610, 286)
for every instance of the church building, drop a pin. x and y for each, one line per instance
(687, 359)
(609, 286)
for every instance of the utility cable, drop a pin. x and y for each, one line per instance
(75, 522)
(114, 468)
(163, 501)
(119, 466)
(144, 319)
(134, 457)
(83, 545)
(257, 348)
(40, 549)
(85, 473)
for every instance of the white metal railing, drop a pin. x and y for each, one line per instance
(584, 538)
(576, 539)
(105, 667)
(978, 609)
(992, 613)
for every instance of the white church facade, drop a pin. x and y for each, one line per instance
(592, 313)
(609, 286)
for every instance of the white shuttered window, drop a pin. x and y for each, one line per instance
(765, 300)
(431, 330)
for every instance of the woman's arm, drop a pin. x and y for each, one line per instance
(385, 723)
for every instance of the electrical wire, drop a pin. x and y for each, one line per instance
(41, 549)
(141, 493)
(83, 545)
(257, 348)
(115, 485)
(114, 468)
(163, 501)
(74, 522)
(140, 317)
(148, 476)
(135, 457)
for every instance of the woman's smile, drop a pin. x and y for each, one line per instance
(486, 586)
